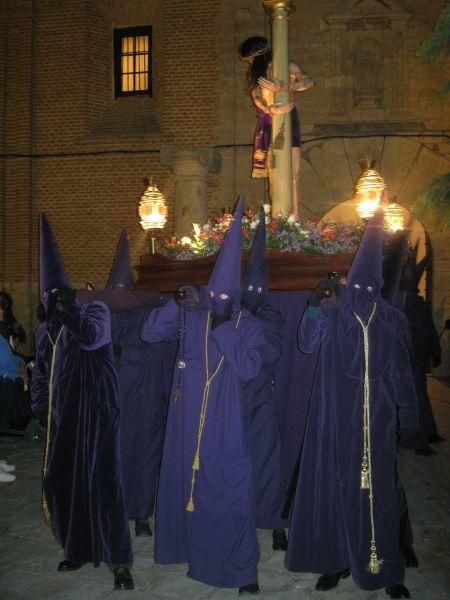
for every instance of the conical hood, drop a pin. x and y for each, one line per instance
(256, 270)
(392, 268)
(367, 263)
(121, 277)
(51, 268)
(226, 274)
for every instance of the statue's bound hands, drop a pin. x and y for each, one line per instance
(280, 109)
(273, 84)
(325, 289)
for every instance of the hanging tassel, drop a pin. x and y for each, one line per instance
(196, 465)
(278, 143)
(364, 480)
(374, 564)
(190, 506)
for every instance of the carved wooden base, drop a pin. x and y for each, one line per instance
(288, 271)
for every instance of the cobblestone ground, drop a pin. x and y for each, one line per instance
(29, 554)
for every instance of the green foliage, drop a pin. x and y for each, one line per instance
(437, 196)
(437, 44)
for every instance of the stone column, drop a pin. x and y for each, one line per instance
(190, 168)
(281, 179)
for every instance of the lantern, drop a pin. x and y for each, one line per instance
(369, 189)
(152, 210)
(393, 216)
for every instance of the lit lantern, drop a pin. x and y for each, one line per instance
(152, 210)
(369, 189)
(393, 216)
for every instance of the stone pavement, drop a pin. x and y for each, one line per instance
(29, 553)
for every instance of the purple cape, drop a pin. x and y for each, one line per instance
(82, 485)
(263, 428)
(330, 525)
(144, 372)
(216, 536)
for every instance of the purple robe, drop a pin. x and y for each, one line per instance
(218, 537)
(330, 525)
(263, 428)
(82, 484)
(144, 372)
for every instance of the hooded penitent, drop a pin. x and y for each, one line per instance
(204, 511)
(74, 390)
(346, 510)
(365, 278)
(121, 277)
(52, 274)
(144, 372)
(261, 419)
(254, 279)
(224, 285)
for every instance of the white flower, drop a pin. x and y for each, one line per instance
(292, 218)
(186, 240)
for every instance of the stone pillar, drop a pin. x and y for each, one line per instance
(190, 168)
(281, 179)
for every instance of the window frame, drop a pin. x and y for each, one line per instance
(119, 34)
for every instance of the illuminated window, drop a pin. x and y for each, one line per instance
(132, 61)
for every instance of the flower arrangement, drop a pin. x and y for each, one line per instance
(285, 233)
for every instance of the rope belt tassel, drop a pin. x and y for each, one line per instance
(190, 507)
(375, 563)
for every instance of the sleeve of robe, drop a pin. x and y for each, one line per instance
(162, 324)
(90, 324)
(405, 389)
(40, 377)
(248, 348)
(313, 329)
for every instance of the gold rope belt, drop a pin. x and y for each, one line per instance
(366, 463)
(209, 379)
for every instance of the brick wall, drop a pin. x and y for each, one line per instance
(70, 149)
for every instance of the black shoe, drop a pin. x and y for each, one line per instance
(411, 559)
(142, 527)
(328, 582)
(252, 588)
(67, 565)
(398, 591)
(435, 438)
(123, 579)
(425, 451)
(279, 539)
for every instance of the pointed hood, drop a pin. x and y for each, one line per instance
(365, 278)
(392, 269)
(254, 280)
(226, 275)
(52, 273)
(121, 277)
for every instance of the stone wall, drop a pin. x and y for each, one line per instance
(70, 149)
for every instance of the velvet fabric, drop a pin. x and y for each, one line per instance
(263, 428)
(121, 276)
(144, 372)
(216, 536)
(82, 484)
(330, 524)
(226, 274)
(425, 345)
